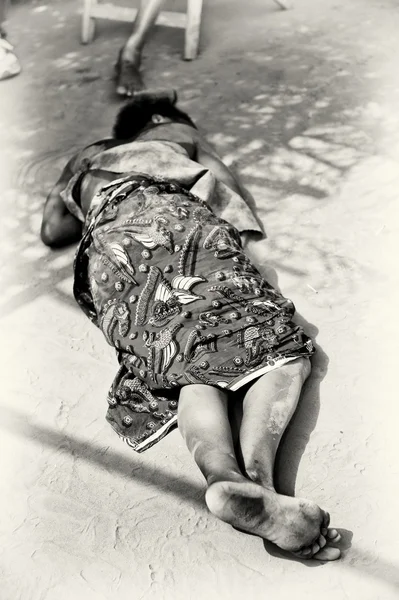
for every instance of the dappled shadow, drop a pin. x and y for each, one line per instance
(285, 111)
(282, 120)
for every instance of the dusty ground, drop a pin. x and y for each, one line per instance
(304, 103)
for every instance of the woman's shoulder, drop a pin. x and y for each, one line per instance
(179, 133)
(89, 152)
(171, 132)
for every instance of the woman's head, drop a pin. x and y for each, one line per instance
(144, 112)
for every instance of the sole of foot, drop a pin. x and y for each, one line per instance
(293, 524)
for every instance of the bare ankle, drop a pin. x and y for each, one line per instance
(225, 475)
(262, 479)
(130, 53)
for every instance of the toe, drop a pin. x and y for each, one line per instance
(325, 523)
(328, 553)
(315, 548)
(321, 541)
(333, 535)
(305, 553)
(326, 520)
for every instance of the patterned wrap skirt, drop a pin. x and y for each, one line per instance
(172, 290)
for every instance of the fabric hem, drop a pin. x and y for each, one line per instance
(151, 440)
(234, 386)
(248, 377)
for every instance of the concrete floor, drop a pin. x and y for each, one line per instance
(305, 104)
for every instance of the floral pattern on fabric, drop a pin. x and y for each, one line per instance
(169, 285)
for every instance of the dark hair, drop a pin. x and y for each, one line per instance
(137, 114)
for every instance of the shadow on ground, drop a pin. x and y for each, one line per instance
(275, 119)
(130, 465)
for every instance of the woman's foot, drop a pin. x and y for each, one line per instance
(9, 63)
(128, 77)
(293, 524)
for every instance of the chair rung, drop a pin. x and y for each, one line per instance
(122, 13)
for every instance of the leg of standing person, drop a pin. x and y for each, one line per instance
(293, 524)
(128, 67)
(9, 64)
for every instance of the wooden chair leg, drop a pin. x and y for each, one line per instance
(88, 23)
(194, 11)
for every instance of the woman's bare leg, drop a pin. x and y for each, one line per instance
(268, 407)
(292, 524)
(205, 427)
(129, 78)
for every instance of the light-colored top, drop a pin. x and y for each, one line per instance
(160, 159)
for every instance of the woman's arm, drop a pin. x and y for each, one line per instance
(208, 158)
(219, 169)
(59, 226)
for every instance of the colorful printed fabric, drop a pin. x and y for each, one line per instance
(169, 285)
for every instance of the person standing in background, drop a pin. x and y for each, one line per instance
(128, 66)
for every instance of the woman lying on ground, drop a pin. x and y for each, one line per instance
(162, 271)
